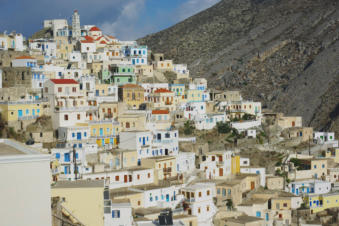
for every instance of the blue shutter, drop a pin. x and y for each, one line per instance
(57, 155)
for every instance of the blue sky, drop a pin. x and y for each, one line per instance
(125, 19)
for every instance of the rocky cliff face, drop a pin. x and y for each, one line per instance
(284, 53)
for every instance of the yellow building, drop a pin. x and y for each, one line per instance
(132, 95)
(20, 110)
(194, 95)
(235, 164)
(84, 199)
(318, 203)
(105, 132)
(164, 167)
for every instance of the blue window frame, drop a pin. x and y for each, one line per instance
(73, 134)
(258, 214)
(85, 134)
(57, 155)
(77, 155)
(80, 145)
(66, 157)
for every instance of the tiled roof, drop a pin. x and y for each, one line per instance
(103, 42)
(64, 81)
(131, 86)
(94, 29)
(162, 90)
(89, 38)
(160, 112)
(25, 57)
(86, 41)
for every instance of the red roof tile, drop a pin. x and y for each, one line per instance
(89, 38)
(25, 57)
(103, 42)
(94, 29)
(86, 41)
(162, 90)
(64, 81)
(160, 112)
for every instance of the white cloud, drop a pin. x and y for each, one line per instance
(191, 7)
(125, 26)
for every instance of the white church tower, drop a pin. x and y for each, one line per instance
(76, 31)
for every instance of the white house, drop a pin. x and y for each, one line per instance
(87, 46)
(185, 162)
(118, 212)
(67, 160)
(67, 101)
(209, 121)
(252, 133)
(24, 61)
(245, 125)
(47, 48)
(194, 110)
(309, 187)
(325, 138)
(126, 177)
(199, 197)
(151, 87)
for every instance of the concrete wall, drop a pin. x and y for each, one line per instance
(25, 192)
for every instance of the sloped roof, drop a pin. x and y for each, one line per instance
(94, 29)
(64, 81)
(162, 90)
(24, 57)
(160, 112)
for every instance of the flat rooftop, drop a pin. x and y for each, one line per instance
(79, 184)
(9, 150)
(243, 219)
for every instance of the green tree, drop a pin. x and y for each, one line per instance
(229, 204)
(223, 127)
(188, 127)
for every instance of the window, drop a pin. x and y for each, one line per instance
(138, 177)
(115, 213)
(199, 210)
(285, 204)
(59, 89)
(149, 175)
(258, 214)
(78, 116)
(208, 208)
(66, 117)
(46, 89)
(199, 194)
(139, 203)
(57, 155)
(74, 89)
(208, 192)
(116, 178)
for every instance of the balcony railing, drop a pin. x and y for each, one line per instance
(23, 118)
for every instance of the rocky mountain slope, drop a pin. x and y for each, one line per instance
(284, 53)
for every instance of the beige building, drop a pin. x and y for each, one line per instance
(229, 190)
(289, 121)
(241, 221)
(132, 121)
(164, 167)
(136, 198)
(274, 183)
(303, 133)
(89, 210)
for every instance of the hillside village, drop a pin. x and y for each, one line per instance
(100, 131)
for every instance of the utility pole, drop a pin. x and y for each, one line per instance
(309, 145)
(75, 164)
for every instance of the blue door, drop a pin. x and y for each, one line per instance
(167, 198)
(101, 132)
(143, 141)
(308, 190)
(96, 92)
(66, 157)
(78, 136)
(103, 142)
(297, 191)
(19, 113)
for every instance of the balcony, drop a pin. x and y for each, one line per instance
(31, 117)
